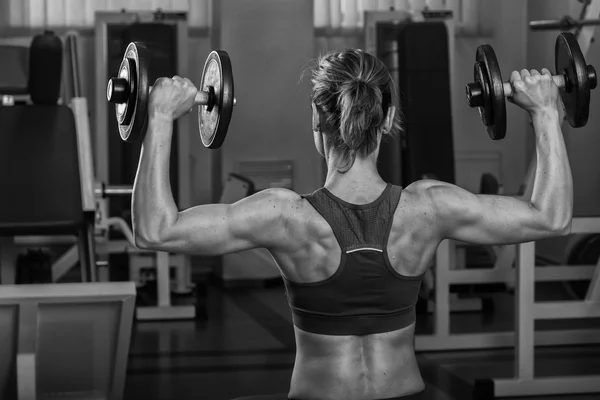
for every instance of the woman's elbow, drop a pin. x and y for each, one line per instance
(144, 241)
(561, 228)
(565, 228)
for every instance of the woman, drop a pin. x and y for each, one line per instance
(352, 253)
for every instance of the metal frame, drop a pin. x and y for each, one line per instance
(162, 262)
(103, 19)
(527, 311)
(164, 310)
(87, 243)
(28, 298)
(585, 35)
(446, 275)
(138, 258)
(371, 19)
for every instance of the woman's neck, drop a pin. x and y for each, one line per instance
(362, 175)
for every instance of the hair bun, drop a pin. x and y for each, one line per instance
(352, 90)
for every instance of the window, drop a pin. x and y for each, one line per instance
(327, 13)
(80, 13)
(349, 13)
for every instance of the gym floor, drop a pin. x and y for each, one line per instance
(246, 347)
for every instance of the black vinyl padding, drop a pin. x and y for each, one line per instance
(40, 187)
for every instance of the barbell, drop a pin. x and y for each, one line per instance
(574, 78)
(130, 91)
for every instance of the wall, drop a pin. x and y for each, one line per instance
(507, 22)
(270, 42)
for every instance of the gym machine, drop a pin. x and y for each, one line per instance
(141, 260)
(95, 196)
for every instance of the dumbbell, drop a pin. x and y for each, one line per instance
(130, 91)
(574, 78)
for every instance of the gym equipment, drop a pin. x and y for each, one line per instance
(527, 311)
(48, 196)
(45, 68)
(418, 73)
(130, 92)
(574, 77)
(588, 17)
(103, 190)
(35, 266)
(64, 333)
(449, 271)
(217, 84)
(585, 26)
(566, 23)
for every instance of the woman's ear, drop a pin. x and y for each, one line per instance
(316, 118)
(389, 120)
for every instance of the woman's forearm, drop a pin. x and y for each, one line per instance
(153, 206)
(552, 191)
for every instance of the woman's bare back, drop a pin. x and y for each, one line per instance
(369, 367)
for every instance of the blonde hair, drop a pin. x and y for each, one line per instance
(354, 91)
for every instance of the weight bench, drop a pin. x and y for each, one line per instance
(40, 177)
(90, 199)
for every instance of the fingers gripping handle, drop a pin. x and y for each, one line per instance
(558, 79)
(206, 97)
(476, 96)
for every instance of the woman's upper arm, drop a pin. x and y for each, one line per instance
(217, 229)
(483, 219)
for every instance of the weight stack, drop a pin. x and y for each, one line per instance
(417, 56)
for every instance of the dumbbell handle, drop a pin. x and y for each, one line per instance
(118, 92)
(558, 79)
(103, 190)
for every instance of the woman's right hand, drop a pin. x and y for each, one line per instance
(534, 92)
(171, 98)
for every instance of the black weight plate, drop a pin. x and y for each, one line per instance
(133, 129)
(125, 110)
(485, 110)
(213, 124)
(487, 73)
(570, 63)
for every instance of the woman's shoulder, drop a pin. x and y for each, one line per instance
(416, 200)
